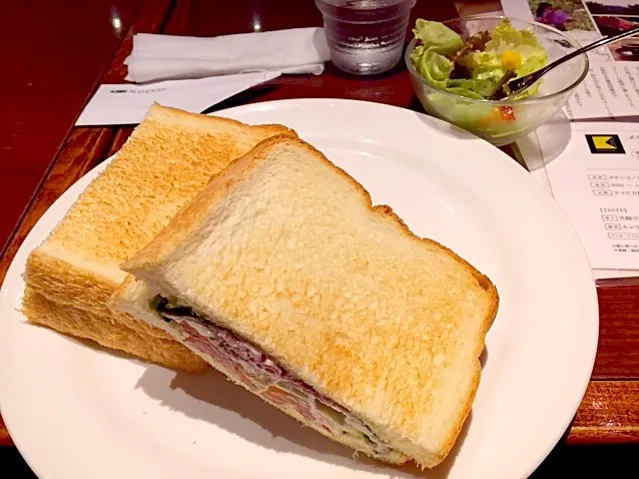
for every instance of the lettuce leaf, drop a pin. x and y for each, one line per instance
(435, 68)
(481, 88)
(437, 37)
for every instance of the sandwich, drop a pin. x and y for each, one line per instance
(72, 275)
(284, 277)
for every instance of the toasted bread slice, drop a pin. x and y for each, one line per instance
(169, 157)
(286, 250)
(79, 323)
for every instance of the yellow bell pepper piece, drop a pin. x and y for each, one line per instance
(511, 60)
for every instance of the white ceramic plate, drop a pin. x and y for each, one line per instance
(79, 413)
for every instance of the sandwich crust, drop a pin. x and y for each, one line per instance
(169, 157)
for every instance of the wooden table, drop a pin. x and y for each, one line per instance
(59, 53)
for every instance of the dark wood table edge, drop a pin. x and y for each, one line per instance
(83, 148)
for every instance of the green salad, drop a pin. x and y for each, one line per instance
(481, 66)
(478, 67)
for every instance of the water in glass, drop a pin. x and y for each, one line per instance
(365, 36)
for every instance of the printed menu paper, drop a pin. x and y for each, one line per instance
(610, 90)
(611, 87)
(595, 179)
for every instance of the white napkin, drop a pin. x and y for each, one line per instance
(127, 104)
(162, 57)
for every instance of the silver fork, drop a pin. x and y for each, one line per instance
(520, 84)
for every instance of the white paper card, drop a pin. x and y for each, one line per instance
(535, 153)
(610, 90)
(125, 104)
(596, 181)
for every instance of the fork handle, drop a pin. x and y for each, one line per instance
(587, 48)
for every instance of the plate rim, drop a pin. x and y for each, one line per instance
(274, 104)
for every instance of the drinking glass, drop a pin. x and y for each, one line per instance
(365, 37)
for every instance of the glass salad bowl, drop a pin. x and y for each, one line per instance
(503, 121)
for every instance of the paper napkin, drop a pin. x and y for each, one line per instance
(161, 57)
